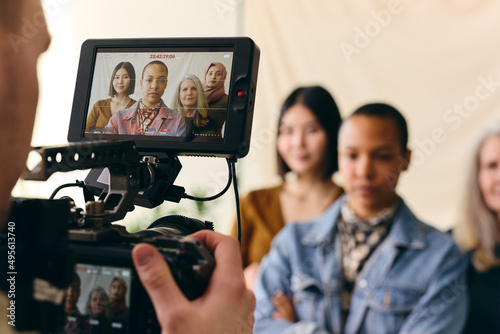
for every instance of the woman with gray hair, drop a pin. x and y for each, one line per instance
(98, 312)
(479, 232)
(190, 101)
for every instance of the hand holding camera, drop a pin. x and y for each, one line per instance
(225, 284)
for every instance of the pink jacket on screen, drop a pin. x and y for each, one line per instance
(167, 123)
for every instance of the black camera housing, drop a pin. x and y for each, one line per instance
(51, 239)
(44, 251)
(189, 261)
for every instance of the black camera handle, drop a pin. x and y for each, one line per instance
(122, 160)
(129, 178)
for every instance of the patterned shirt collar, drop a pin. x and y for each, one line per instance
(351, 218)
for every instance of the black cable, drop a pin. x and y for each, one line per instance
(232, 178)
(237, 199)
(67, 185)
(211, 198)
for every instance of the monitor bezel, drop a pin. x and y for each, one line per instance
(241, 95)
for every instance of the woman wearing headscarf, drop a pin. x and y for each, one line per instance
(213, 85)
(117, 294)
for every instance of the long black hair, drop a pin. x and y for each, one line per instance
(323, 106)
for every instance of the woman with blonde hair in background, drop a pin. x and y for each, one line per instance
(479, 232)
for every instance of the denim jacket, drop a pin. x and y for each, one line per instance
(414, 282)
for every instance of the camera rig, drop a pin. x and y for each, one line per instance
(63, 235)
(52, 235)
(121, 172)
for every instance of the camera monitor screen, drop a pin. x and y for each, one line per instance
(98, 300)
(187, 96)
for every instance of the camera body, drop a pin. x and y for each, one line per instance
(61, 257)
(50, 241)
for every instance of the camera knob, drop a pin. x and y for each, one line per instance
(95, 208)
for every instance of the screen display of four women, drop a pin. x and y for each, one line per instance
(98, 300)
(160, 93)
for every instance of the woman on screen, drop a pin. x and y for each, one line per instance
(121, 86)
(213, 85)
(98, 311)
(117, 294)
(190, 101)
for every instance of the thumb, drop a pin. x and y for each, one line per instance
(156, 278)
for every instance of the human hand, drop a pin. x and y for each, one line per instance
(284, 307)
(225, 307)
(250, 273)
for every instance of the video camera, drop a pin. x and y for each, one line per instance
(51, 244)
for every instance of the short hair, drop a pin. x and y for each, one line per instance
(323, 106)
(201, 109)
(154, 62)
(383, 110)
(131, 73)
(478, 227)
(76, 278)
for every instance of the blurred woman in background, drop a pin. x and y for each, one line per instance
(479, 233)
(307, 158)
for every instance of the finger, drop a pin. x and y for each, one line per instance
(253, 300)
(278, 298)
(278, 316)
(156, 278)
(278, 294)
(227, 279)
(226, 249)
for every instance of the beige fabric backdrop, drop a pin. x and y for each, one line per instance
(426, 57)
(436, 61)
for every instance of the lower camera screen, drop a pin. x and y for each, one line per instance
(98, 300)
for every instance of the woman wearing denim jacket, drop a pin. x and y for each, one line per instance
(367, 265)
(479, 233)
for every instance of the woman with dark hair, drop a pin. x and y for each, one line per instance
(307, 158)
(213, 85)
(121, 86)
(478, 232)
(367, 264)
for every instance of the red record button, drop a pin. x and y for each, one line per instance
(241, 94)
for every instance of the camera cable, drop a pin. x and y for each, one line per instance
(223, 191)
(232, 178)
(86, 192)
